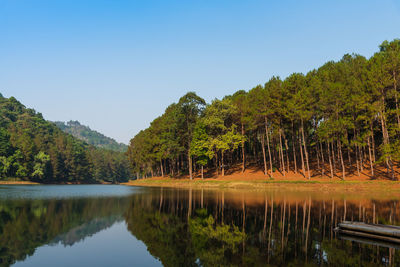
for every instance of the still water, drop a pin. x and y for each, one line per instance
(108, 225)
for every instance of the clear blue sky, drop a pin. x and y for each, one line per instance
(116, 65)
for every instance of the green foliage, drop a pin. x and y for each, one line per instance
(32, 148)
(344, 108)
(168, 136)
(200, 146)
(40, 162)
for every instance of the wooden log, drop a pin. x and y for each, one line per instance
(378, 225)
(376, 229)
(368, 241)
(368, 235)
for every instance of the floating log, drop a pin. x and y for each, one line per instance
(368, 235)
(374, 229)
(368, 241)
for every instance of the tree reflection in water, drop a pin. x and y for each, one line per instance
(28, 224)
(210, 227)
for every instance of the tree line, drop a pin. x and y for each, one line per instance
(32, 148)
(342, 118)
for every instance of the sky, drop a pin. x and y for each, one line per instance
(116, 65)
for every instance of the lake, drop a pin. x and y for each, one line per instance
(111, 225)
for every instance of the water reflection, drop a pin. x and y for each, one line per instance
(190, 227)
(196, 227)
(28, 224)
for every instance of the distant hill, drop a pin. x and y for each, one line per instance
(90, 136)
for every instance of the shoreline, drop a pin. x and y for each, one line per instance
(254, 179)
(352, 186)
(256, 182)
(18, 183)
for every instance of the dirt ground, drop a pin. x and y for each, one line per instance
(254, 178)
(252, 173)
(17, 182)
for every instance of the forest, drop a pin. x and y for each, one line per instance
(34, 149)
(337, 120)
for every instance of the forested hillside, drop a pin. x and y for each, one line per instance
(342, 118)
(32, 148)
(90, 136)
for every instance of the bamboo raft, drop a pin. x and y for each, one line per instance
(386, 233)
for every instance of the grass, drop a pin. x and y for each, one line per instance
(294, 185)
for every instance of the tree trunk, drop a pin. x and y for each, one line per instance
(333, 157)
(217, 163)
(281, 152)
(287, 152)
(317, 147)
(222, 163)
(172, 167)
(386, 141)
(330, 160)
(370, 158)
(263, 151)
(348, 149)
(178, 169)
(348, 156)
(305, 149)
(341, 160)
(373, 141)
(162, 169)
(395, 96)
(202, 172)
(269, 149)
(317, 153)
(361, 153)
(243, 154)
(254, 151)
(322, 158)
(275, 156)
(280, 160)
(294, 149)
(356, 146)
(338, 154)
(190, 165)
(302, 158)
